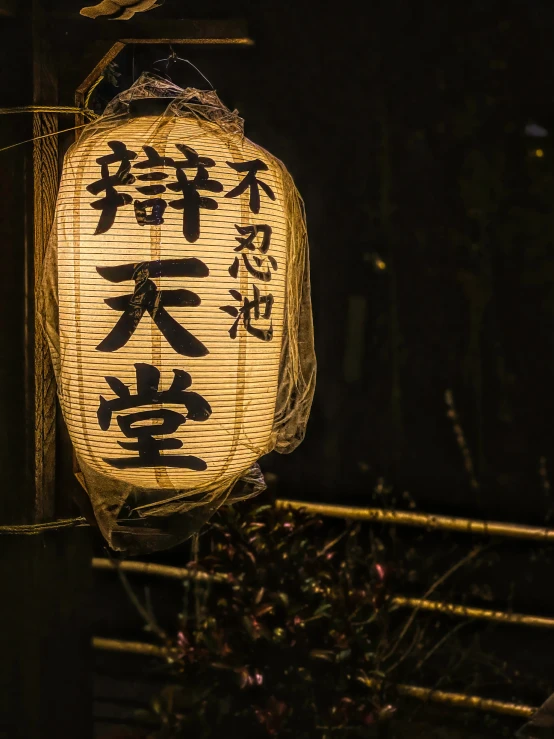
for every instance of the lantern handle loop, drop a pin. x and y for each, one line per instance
(173, 59)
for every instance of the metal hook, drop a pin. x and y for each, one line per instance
(174, 59)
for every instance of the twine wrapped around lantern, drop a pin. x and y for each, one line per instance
(178, 312)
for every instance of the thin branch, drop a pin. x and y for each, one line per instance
(439, 644)
(151, 623)
(418, 635)
(433, 587)
(460, 438)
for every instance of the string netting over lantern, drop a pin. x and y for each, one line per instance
(178, 312)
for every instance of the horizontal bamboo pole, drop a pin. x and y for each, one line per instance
(149, 568)
(423, 520)
(129, 647)
(467, 612)
(399, 601)
(459, 700)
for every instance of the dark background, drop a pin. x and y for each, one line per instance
(431, 230)
(429, 215)
(432, 264)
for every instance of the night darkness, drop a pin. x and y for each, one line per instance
(430, 233)
(419, 136)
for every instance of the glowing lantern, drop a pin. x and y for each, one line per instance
(184, 346)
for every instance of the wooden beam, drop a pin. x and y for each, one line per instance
(147, 30)
(176, 40)
(45, 190)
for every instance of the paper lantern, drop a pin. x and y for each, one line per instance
(183, 348)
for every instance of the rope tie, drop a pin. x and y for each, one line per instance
(87, 112)
(50, 109)
(37, 528)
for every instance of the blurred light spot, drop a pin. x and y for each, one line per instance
(533, 129)
(539, 153)
(375, 260)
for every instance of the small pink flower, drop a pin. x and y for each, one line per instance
(380, 571)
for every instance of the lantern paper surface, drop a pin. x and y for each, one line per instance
(181, 351)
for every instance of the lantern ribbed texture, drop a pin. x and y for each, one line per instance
(119, 297)
(238, 377)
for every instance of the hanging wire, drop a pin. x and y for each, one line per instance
(92, 89)
(173, 59)
(45, 136)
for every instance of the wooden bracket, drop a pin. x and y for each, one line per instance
(183, 32)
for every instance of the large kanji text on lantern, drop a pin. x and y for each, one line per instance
(165, 421)
(147, 298)
(190, 203)
(250, 312)
(263, 262)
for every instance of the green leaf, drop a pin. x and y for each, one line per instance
(322, 609)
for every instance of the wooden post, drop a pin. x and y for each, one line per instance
(45, 639)
(45, 675)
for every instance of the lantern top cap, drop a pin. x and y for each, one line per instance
(153, 95)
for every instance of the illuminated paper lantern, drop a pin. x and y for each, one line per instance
(183, 344)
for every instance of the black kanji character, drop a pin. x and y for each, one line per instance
(192, 201)
(252, 182)
(120, 154)
(113, 199)
(250, 311)
(249, 243)
(147, 297)
(251, 233)
(153, 160)
(155, 217)
(132, 424)
(193, 160)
